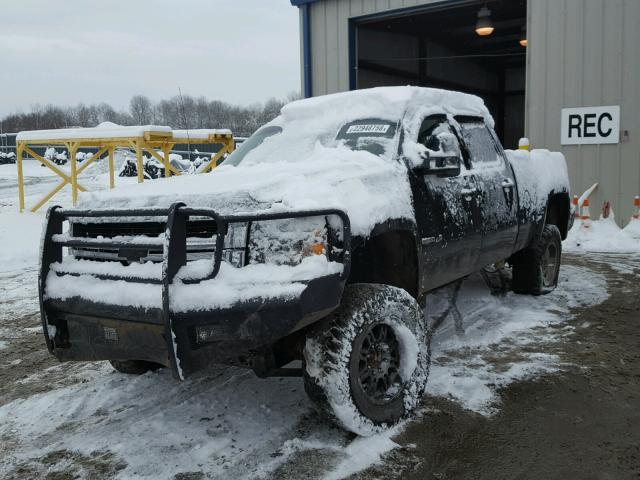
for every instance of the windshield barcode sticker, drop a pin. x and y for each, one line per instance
(381, 128)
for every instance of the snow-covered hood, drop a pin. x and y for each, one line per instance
(368, 188)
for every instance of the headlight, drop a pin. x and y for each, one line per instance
(288, 241)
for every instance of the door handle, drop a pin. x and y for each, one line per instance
(507, 189)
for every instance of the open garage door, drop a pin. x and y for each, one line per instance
(438, 46)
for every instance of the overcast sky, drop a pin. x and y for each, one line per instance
(70, 51)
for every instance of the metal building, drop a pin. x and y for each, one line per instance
(564, 73)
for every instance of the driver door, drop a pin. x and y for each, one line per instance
(447, 208)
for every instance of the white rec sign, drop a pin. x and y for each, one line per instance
(590, 125)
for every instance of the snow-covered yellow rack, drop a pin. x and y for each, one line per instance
(107, 138)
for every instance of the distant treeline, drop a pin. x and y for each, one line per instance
(178, 112)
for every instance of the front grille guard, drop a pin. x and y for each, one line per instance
(174, 249)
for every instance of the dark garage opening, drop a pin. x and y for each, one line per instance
(437, 46)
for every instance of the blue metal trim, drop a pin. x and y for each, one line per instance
(353, 67)
(297, 3)
(306, 50)
(442, 4)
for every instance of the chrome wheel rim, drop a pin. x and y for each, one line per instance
(379, 364)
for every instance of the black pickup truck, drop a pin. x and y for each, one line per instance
(315, 242)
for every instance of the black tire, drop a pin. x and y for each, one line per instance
(536, 269)
(134, 367)
(355, 363)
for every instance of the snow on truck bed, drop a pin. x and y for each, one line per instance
(538, 173)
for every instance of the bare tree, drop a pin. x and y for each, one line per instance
(141, 109)
(179, 111)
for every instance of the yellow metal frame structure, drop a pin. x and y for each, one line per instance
(150, 141)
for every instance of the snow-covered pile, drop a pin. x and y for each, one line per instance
(633, 228)
(603, 235)
(7, 157)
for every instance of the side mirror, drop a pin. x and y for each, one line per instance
(441, 166)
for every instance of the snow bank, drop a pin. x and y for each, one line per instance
(603, 235)
(231, 285)
(633, 228)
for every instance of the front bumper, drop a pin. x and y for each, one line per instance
(91, 331)
(80, 329)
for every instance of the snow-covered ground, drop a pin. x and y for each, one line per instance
(225, 422)
(604, 236)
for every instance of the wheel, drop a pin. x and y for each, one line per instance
(134, 367)
(366, 367)
(536, 269)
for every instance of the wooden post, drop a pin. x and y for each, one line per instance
(139, 162)
(112, 182)
(20, 176)
(167, 163)
(72, 148)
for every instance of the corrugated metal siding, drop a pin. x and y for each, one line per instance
(584, 53)
(581, 53)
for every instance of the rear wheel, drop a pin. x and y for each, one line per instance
(536, 269)
(366, 368)
(134, 367)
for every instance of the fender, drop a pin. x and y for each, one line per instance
(390, 254)
(557, 212)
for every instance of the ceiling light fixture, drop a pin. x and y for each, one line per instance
(484, 25)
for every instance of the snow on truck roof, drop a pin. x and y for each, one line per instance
(389, 102)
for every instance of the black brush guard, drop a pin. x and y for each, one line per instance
(174, 252)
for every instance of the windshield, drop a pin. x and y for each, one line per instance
(296, 141)
(251, 143)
